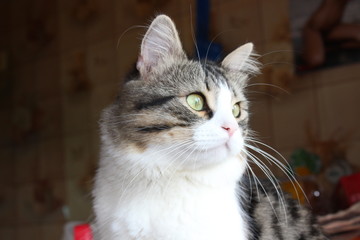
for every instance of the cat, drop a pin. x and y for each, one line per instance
(174, 153)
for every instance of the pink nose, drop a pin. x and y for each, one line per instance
(230, 129)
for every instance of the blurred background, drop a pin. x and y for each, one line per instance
(62, 61)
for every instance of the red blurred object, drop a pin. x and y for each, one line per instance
(351, 188)
(83, 232)
(347, 192)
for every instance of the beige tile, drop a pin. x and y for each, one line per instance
(338, 109)
(100, 26)
(275, 20)
(102, 97)
(66, 6)
(34, 32)
(25, 120)
(29, 232)
(19, 13)
(5, 123)
(51, 231)
(21, 50)
(24, 83)
(127, 52)
(76, 114)
(78, 201)
(186, 26)
(187, 8)
(78, 156)
(5, 20)
(74, 72)
(353, 153)
(172, 8)
(261, 121)
(50, 118)
(7, 233)
(7, 205)
(101, 62)
(42, 25)
(52, 211)
(277, 70)
(235, 24)
(51, 159)
(7, 166)
(277, 54)
(26, 160)
(28, 211)
(127, 10)
(141, 13)
(304, 81)
(337, 74)
(47, 73)
(290, 116)
(40, 201)
(6, 79)
(72, 34)
(219, 2)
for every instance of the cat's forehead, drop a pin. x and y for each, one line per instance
(216, 78)
(195, 76)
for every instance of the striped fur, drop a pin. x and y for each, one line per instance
(269, 219)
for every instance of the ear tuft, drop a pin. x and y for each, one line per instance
(160, 45)
(241, 59)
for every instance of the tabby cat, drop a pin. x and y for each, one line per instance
(174, 153)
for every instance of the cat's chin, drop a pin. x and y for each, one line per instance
(217, 154)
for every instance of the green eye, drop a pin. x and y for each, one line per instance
(195, 101)
(236, 110)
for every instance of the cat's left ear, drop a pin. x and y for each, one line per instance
(241, 59)
(160, 46)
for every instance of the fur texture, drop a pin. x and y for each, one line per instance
(169, 171)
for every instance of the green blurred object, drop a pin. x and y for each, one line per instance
(301, 158)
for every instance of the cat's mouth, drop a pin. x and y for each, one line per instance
(224, 149)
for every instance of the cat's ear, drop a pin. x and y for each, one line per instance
(241, 59)
(160, 45)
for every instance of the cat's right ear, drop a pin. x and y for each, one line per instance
(241, 59)
(160, 46)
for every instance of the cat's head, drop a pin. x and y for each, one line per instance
(178, 112)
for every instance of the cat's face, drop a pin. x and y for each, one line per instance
(181, 113)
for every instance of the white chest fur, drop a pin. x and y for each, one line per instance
(182, 208)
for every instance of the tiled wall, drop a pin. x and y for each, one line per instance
(61, 62)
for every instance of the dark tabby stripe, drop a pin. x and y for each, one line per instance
(256, 227)
(154, 128)
(155, 102)
(157, 128)
(293, 208)
(207, 84)
(302, 237)
(243, 124)
(182, 114)
(313, 230)
(209, 113)
(276, 227)
(214, 73)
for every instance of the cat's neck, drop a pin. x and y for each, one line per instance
(139, 167)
